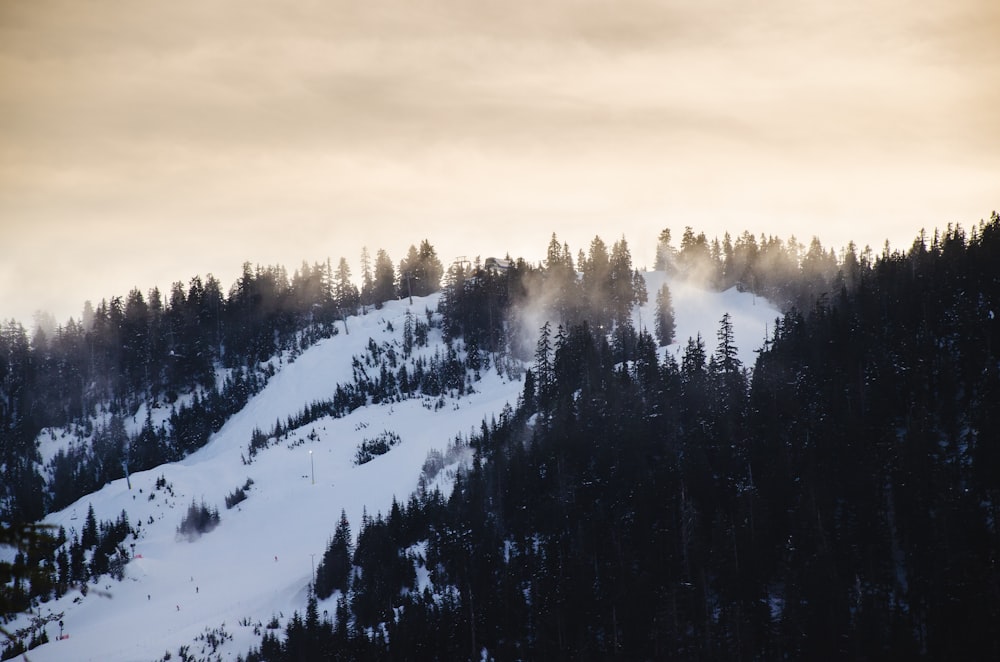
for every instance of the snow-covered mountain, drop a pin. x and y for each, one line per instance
(256, 566)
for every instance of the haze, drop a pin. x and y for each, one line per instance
(143, 143)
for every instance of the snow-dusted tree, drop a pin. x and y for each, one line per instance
(408, 334)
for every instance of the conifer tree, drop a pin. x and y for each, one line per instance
(664, 252)
(544, 373)
(408, 334)
(384, 285)
(367, 293)
(88, 539)
(621, 284)
(665, 324)
(432, 269)
(335, 568)
(345, 292)
(726, 355)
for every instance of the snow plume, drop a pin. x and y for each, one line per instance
(694, 261)
(600, 288)
(700, 272)
(564, 292)
(698, 310)
(529, 315)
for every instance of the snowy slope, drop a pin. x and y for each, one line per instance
(258, 563)
(699, 311)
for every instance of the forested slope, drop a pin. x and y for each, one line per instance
(840, 502)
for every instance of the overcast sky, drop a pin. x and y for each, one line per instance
(145, 142)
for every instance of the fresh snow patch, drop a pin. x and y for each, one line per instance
(697, 310)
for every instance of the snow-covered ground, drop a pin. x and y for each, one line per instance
(700, 311)
(257, 564)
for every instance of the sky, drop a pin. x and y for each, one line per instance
(145, 143)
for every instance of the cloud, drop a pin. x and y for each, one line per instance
(348, 123)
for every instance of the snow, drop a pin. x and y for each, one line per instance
(258, 562)
(697, 310)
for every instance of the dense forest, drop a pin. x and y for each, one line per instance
(203, 352)
(198, 351)
(838, 501)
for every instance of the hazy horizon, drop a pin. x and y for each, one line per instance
(141, 144)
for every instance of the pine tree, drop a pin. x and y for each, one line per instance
(345, 293)
(664, 252)
(432, 269)
(726, 355)
(693, 361)
(621, 283)
(560, 280)
(88, 539)
(384, 286)
(665, 326)
(367, 281)
(639, 292)
(420, 272)
(596, 284)
(408, 334)
(410, 274)
(335, 568)
(554, 254)
(544, 373)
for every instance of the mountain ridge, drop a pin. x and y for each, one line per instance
(175, 611)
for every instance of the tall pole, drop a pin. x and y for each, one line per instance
(312, 467)
(313, 557)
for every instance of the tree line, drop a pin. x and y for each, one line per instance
(198, 350)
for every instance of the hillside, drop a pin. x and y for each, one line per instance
(257, 564)
(840, 502)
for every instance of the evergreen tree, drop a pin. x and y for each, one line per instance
(726, 353)
(420, 272)
(694, 258)
(384, 285)
(560, 280)
(665, 324)
(596, 284)
(432, 269)
(410, 274)
(335, 568)
(367, 294)
(88, 538)
(345, 293)
(544, 371)
(639, 292)
(664, 252)
(621, 283)
(408, 334)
